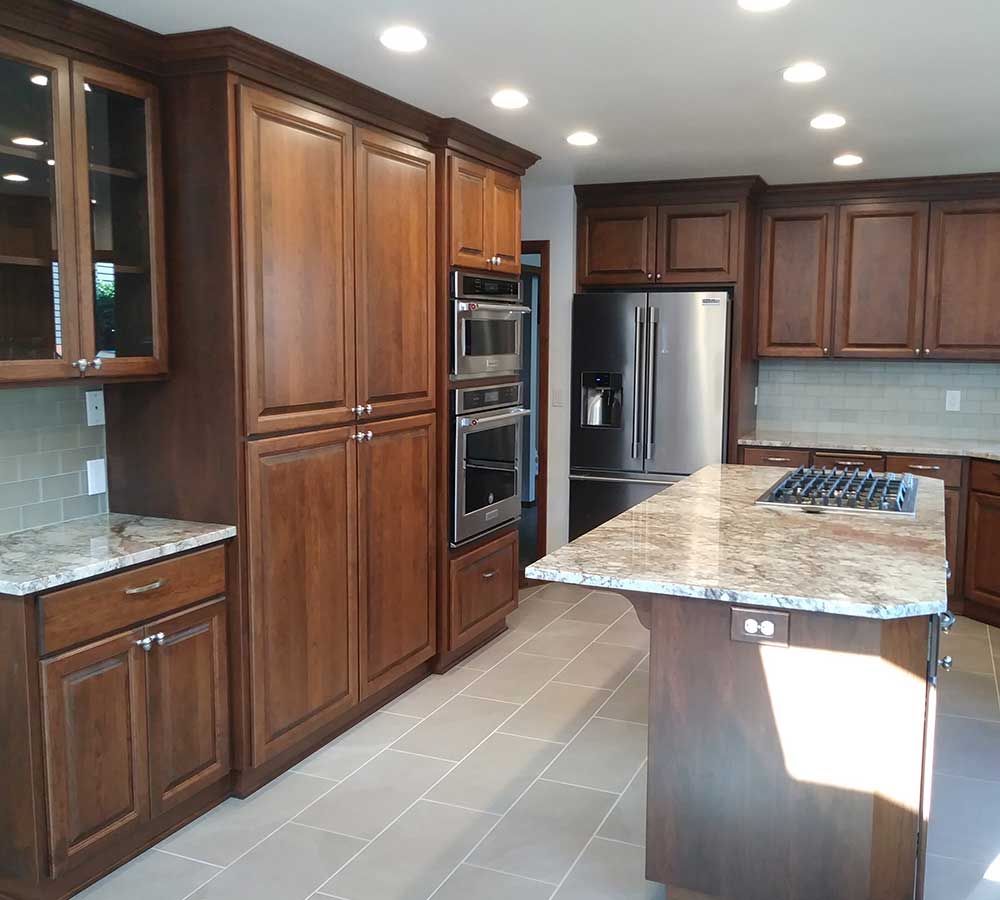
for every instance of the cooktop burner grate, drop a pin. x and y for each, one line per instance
(815, 489)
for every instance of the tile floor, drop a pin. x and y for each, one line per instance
(521, 774)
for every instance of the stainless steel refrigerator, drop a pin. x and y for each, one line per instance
(648, 396)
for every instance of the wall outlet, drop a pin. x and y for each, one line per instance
(953, 401)
(97, 476)
(95, 408)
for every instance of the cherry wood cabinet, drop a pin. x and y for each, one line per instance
(952, 530)
(696, 243)
(795, 298)
(962, 316)
(394, 274)
(505, 216)
(297, 184)
(397, 592)
(616, 245)
(484, 223)
(303, 531)
(483, 589)
(778, 457)
(982, 562)
(881, 263)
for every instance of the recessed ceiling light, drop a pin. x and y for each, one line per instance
(848, 159)
(803, 72)
(582, 139)
(826, 121)
(403, 38)
(13, 176)
(27, 142)
(40, 80)
(509, 98)
(762, 5)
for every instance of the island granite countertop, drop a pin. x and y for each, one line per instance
(42, 558)
(874, 443)
(704, 537)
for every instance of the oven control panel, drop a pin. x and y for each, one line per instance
(492, 396)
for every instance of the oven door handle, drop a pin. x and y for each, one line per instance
(477, 305)
(468, 421)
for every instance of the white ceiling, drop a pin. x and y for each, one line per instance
(674, 88)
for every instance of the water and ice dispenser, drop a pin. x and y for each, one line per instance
(601, 400)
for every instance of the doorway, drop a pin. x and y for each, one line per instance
(535, 377)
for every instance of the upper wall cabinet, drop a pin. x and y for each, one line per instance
(795, 305)
(616, 245)
(962, 315)
(485, 219)
(81, 253)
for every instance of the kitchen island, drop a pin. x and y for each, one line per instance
(792, 671)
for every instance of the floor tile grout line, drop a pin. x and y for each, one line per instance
(597, 715)
(422, 755)
(610, 840)
(485, 812)
(528, 737)
(511, 874)
(993, 659)
(353, 837)
(203, 862)
(583, 787)
(969, 718)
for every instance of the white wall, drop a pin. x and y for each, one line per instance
(549, 214)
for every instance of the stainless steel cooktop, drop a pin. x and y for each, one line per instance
(815, 489)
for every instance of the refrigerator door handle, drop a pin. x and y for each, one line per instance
(652, 326)
(638, 399)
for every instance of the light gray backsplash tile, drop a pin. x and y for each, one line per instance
(860, 396)
(45, 443)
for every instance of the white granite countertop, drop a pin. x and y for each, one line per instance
(980, 449)
(704, 537)
(42, 558)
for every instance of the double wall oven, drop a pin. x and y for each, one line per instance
(487, 323)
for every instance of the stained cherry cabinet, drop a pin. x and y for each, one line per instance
(697, 243)
(982, 562)
(795, 298)
(616, 245)
(483, 589)
(505, 218)
(484, 225)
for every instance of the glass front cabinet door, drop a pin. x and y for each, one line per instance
(81, 253)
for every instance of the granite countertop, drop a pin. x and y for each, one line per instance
(42, 558)
(980, 449)
(704, 537)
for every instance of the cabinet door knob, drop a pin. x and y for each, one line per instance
(160, 638)
(917, 351)
(81, 364)
(658, 276)
(358, 436)
(145, 643)
(927, 351)
(946, 663)
(368, 435)
(84, 364)
(826, 351)
(368, 408)
(649, 275)
(947, 620)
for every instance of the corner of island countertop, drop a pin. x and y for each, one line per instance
(39, 559)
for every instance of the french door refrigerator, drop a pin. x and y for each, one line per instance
(648, 396)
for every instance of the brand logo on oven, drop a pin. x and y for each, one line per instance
(473, 306)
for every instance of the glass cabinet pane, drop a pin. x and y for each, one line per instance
(119, 222)
(30, 321)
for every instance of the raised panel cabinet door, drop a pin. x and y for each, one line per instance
(397, 581)
(616, 245)
(952, 527)
(505, 216)
(982, 562)
(187, 680)
(297, 210)
(483, 589)
(96, 767)
(302, 522)
(39, 298)
(881, 262)
(795, 301)
(394, 268)
(469, 223)
(962, 318)
(697, 244)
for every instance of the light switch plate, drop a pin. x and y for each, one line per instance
(97, 476)
(558, 396)
(95, 407)
(953, 401)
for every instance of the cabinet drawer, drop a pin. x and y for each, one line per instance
(985, 476)
(779, 457)
(483, 588)
(947, 468)
(84, 612)
(847, 459)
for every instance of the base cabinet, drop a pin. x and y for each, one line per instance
(982, 563)
(482, 590)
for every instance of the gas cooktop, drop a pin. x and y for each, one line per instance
(815, 489)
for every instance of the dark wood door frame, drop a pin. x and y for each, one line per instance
(541, 483)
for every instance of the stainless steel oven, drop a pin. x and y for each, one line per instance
(486, 324)
(486, 482)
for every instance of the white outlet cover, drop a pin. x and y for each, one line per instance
(97, 476)
(95, 407)
(558, 396)
(953, 401)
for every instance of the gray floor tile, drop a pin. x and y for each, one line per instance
(604, 756)
(457, 727)
(627, 821)
(489, 655)
(556, 712)
(375, 795)
(965, 819)
(964, 627)
(563, 639)
(232, 828)
(289, 865)
(354, 748)
(544, 832)
(968, 694)
(495, 774)
(526, 593)
(601, 606)
(152, 876)
(601, 666)
(628, 631)
(954, 879)
(473, 883)
(566, 593)
(644, 665)
(969, 747)
(631, 701)
(537, 613)
(516, 678)
(610, 871)
(423, 698)
(970, 653)
(413, 856)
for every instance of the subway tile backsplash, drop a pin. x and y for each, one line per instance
(45, 444)
(858, 396)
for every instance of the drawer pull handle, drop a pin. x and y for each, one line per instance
(777, 459)
(490, 574)
(160, 638)
(849, 462)
(146, 588)
(924, 468)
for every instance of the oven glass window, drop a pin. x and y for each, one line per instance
(490, 466)
(491, 337)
